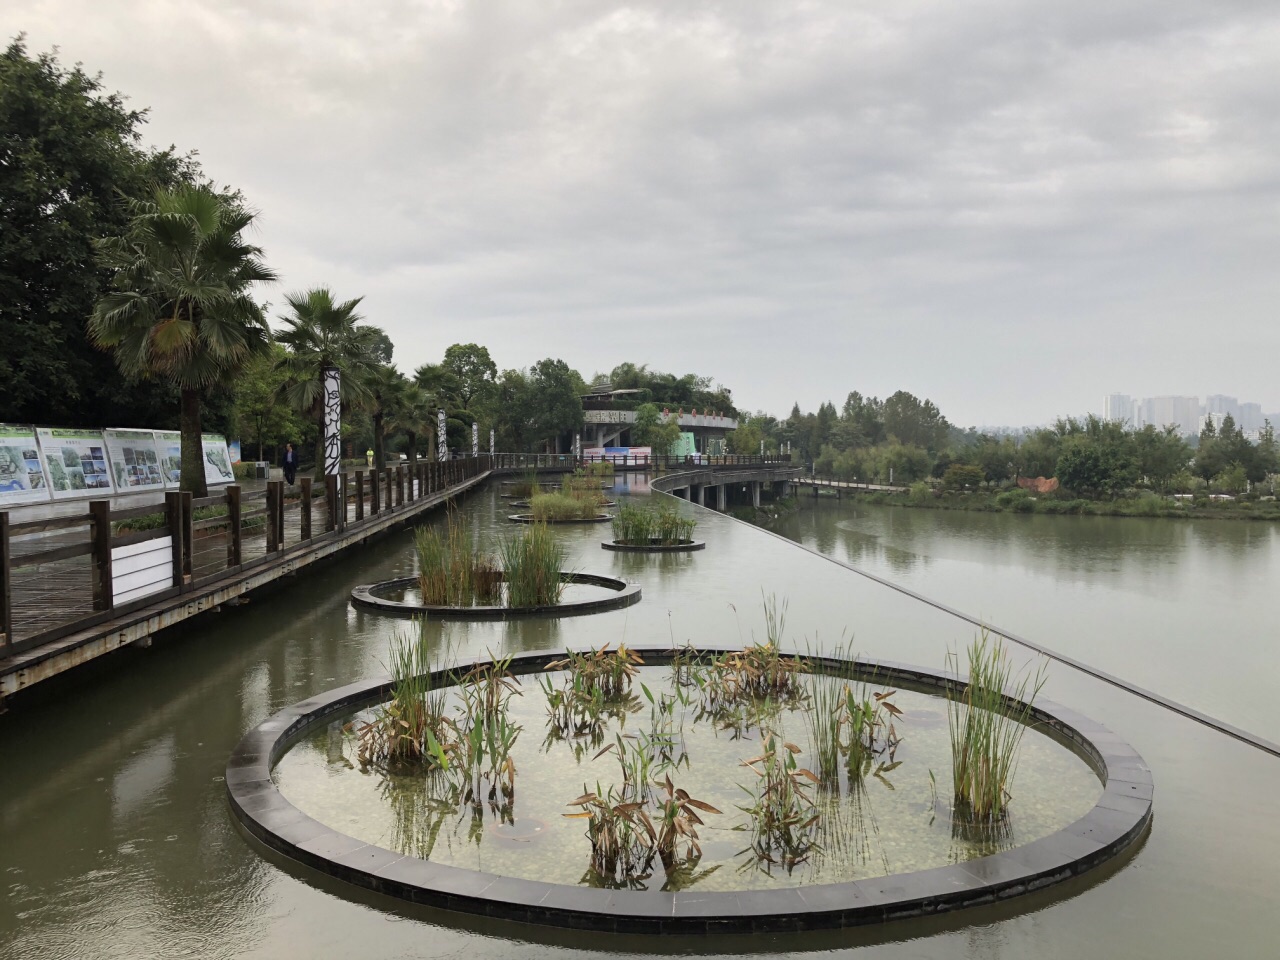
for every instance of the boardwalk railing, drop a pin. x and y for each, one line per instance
(60, 575)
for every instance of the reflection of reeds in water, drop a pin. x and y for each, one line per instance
(420, 808)
(848, 832)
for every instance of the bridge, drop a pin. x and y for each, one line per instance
(840, 487)
(77, 586)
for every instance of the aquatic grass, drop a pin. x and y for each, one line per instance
(644, 525)
(486, 734)
(784, 816)
(452, 570)
(532, 564)
(412, 727)
(562, 506)
(986, 722)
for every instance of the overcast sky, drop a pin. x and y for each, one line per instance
(1008, 207)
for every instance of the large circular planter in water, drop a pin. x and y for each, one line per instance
(616, 595)
(1115, 823)
(654, 546)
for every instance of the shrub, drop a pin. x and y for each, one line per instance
(532, 564)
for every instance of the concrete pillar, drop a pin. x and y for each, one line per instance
(783, 488)
(722, 498)
(755, 492)
(702, 495)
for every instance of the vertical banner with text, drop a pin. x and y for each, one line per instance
(442, 440)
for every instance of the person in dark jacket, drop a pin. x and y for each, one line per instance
(290, 463)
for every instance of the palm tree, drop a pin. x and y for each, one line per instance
(323, 333)
(179, 305)
(388, 387)
(415, 415)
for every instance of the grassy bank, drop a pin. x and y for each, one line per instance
(1020, 501)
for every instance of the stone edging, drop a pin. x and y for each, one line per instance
(624, 595)
(1116, 822)
(685, 546)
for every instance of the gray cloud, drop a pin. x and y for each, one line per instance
(1008, 207)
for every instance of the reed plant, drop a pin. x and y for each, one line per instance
(642, 525)
(452, 570)
(412, 727)
(532, 564)
(487, 735)
(611, 671)
(562, 506)
(784, 816)
(987, 721)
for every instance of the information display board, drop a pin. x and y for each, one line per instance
(135, 462)
(217, 459)
(22, 476)
(75, 463)
(169, 450)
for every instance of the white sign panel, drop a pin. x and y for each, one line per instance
(22, 476)
(135, 462)
(141, 569)
(75, 463)
(217, 459)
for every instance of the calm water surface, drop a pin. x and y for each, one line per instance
(115, 839)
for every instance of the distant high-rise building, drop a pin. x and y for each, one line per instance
(1118, 407)
(1220, 403)
(1182, 412)
(1250, 417)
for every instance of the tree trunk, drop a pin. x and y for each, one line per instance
(319, 474)
(192, 450)
(379, 442)
(413, 446)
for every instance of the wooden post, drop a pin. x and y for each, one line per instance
(6, 587)
(400, 471)
(305, 525)
(273, 516)
(359, 495)
(234, 532)
(188, 538)
(100, 533)
(173, 511)
(375, 491)
(331, 501)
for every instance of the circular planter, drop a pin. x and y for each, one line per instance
(530, 518)
(1115, 824)
(684, 546)
(622, 594)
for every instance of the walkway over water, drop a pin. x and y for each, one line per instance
(79, 585)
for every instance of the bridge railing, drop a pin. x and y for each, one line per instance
(62, 574)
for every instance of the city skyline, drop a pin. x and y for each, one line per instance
(1186, 411)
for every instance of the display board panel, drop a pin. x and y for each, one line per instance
(217, 459)
(75, 463)
(169, 450)
(135, 461)
(22, 475)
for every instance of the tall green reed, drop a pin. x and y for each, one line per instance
(987, 721)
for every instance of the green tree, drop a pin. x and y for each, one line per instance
(552, 399)
(69, 153)
(474, 372)
(387, 388)
(325, 333)
(414, 415)
(961, 476)
(179, 306)
(915, 422)
(257, 410)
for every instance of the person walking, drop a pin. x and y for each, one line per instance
(290, 463)
(368, 455)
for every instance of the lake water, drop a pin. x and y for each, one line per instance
(117, 841)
